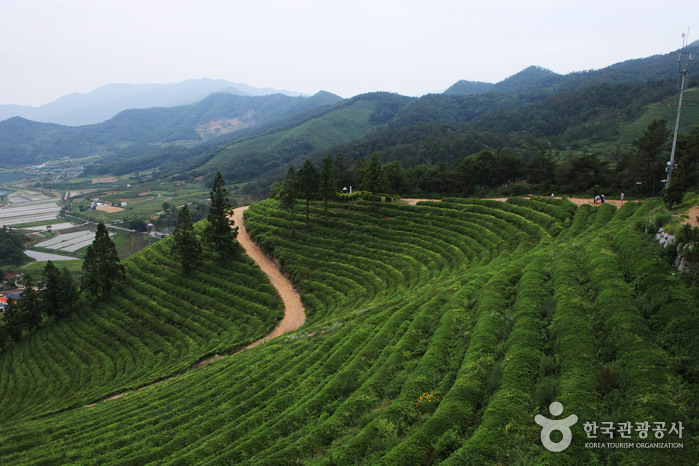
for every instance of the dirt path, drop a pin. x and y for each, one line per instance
(294, 312)
(412, 201)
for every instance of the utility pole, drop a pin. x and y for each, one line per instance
(685, 62)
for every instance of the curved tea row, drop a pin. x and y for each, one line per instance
(493, 309)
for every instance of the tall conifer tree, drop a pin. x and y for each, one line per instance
(187, 247)
(327, 184)
(101, 267)
(288, 193)
(220, 232)
(308, 184)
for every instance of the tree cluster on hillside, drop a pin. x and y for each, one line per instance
(476, 167)
(11, 248)
(168, 218)
(54, 296)
(325, 185)
(102, 267)
(219, 233)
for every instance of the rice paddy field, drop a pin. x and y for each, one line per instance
(434, 333)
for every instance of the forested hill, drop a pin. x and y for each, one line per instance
(24, 142)
(541, 81)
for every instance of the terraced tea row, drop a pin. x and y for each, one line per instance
(492, 309)
(157, 323)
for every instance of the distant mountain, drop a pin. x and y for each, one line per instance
(237, 88)
(464, 87)
(536, 80)
(25, 142)
(257, 137)
(107, 101)
(528, 78)
(265, 151)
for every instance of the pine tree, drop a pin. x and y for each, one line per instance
(343, 175)
(308, 184)
(375, 180)
(58, 294)
(327, 185)
(12, 320)
(28, 306)
(3, 336)
(288, 193)
(219, 231)
(68, 298)
(101, 267)
(686, 176)
(50, 289)
(649, 147)
(187, 247)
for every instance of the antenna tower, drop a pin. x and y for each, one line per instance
(684, 64)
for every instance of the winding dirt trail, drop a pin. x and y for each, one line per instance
(294, 312)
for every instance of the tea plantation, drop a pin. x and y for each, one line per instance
(434, 333)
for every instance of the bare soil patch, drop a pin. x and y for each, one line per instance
(106, 179)
(108, 208)
(693, 219)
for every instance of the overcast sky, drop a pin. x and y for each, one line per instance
(49, 48)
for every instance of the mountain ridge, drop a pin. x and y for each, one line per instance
(105, 102)
(28, 142)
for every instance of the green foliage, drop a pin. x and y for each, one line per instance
(187, 247)
(289, 191)
(649, 147)
(685, 177)
(11, 248)
(101, 267)
(219, 232)
(308, 183)
(13, 322)
(137, 224)
(29, 306)
(58, 293)
(374, 179)
(327, 184)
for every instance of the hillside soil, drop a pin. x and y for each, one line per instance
(693, 219)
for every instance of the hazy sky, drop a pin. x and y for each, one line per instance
(49, 48)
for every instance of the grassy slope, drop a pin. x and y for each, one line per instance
(494, 308)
